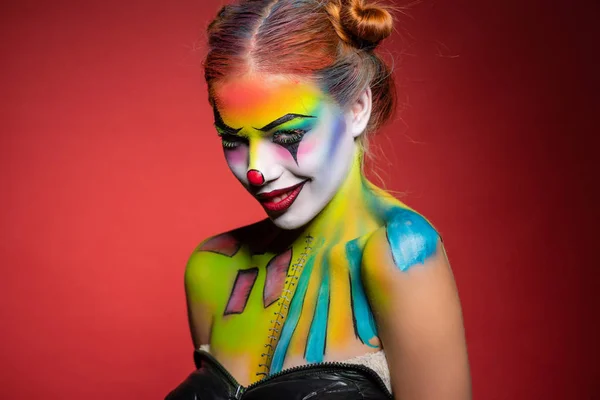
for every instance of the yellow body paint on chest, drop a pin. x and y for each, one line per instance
(329, 310)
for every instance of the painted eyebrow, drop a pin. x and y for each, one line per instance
(282, 120)
(226, 129)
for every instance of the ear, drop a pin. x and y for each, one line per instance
(360, 113)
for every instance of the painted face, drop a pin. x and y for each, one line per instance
(285, 141)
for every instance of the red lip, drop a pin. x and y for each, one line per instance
(290, 194)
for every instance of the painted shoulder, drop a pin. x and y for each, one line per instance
(209, 260)
(228, 244)
(225, 244)
(213, 265)
(410, 236)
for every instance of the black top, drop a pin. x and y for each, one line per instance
(320, 381)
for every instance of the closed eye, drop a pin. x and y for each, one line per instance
(289, 136)
(232, 141)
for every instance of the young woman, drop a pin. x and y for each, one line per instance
(343, 291)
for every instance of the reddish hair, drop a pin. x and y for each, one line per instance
(330, 41)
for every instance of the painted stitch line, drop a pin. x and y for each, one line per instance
(284, 304)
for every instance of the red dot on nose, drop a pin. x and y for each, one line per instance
(255, 177)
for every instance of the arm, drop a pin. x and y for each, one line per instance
(206, 286)
(416, 305)
(198, 294)
(199, 317)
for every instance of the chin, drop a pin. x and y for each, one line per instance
(298, 215)
(302, 212)
(289, 220)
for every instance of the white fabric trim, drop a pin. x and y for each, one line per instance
(376, 361)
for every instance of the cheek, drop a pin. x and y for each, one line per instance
(337, 135)
(315, 147)
(309, 150)
(283, 154)
(307, 146)
(237, 157)
(237, 160)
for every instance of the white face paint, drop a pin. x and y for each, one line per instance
(303, 160)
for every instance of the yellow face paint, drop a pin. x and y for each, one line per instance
(251, 101)
(286, 141)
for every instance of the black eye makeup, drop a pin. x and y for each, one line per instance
(290, 140)
(229, 136)
(231, 141)
(288, 136)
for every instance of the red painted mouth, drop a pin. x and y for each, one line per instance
(280, 199)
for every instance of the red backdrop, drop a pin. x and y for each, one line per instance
(109, 167)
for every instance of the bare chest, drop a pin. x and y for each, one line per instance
(304, 305)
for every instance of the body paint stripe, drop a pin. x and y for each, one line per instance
(277, 270)
(364, 322)
(352, 307)
(224, 244)
(292, 318)
(242, 287)
(317, 335)
(411, 237)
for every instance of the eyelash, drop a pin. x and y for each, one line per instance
(231, 141)
(283, 138)
(288, 137)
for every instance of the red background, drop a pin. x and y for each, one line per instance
(111, 174)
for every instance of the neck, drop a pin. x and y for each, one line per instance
(355, 209)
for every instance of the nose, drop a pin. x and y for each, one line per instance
(255, 177)
(263, 162)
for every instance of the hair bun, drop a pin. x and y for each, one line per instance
(367, 24)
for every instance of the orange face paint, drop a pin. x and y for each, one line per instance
(254, 101)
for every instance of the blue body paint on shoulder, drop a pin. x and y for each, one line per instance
(411, 237)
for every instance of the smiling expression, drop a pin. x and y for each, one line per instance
(285, 141)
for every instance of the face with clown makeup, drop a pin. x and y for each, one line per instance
(289, 143)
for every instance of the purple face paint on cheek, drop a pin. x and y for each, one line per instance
(338, 129)
(236, 156)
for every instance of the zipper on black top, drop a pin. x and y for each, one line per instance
(324, 365)
(240, 390)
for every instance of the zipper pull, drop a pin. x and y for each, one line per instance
(238, 393)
